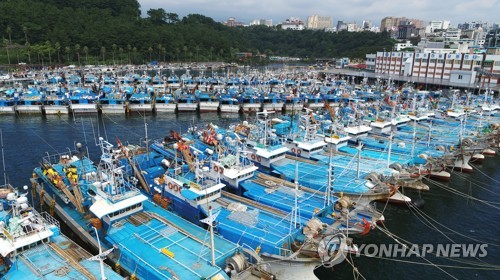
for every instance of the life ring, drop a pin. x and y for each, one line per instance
(221, 170)
(253, 156)
(258, 158)
(216, 168)
(170, 185)
(176, 188)
(294, 151)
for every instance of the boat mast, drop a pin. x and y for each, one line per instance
(330, 179)
(3, 159)
(390, 147)
(414, 139)
(210, 222)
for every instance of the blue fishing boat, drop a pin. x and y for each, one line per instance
(112, 103)
(228, 104)
(152, 243)
(250, 101)
(83, 101)
(165, 102)
(186, 102)
(7, 105)
(207, 102)
(33, 247)
(30, 102)
(195, 192)
(140, 102)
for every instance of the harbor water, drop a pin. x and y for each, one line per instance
(465, 210)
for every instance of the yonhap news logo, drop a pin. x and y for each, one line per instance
(422, 250)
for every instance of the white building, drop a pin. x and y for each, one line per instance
(458, 68)
(293, 23)
(266, 22)
(400, 46)
(437, 25)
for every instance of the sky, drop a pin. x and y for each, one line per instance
(456, 11)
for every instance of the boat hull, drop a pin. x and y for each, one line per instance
(170, 107)
(113, 109)
(83, 108)
(7, 110)
(187, 107)
(29, 109)
(209, 107)
(56, 110)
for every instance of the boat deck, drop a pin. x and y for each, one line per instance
(60, 259)
(172, 247)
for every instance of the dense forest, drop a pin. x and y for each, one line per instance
(46, 32)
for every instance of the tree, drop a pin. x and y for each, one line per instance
(25, 31)
(172, 18)
(6, 44)
(185, 49)
(28, 49)
(9, 32)
(120, 50)
(67, 51)
(77, 50)
(86, 52)
(157, 16)
(129, 48)
(103, 53)
(48, 45)
(150, 51)
(159, 52)
(114, 50)
(58, 49)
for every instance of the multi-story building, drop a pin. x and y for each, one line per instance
(341, 25)
(366, 25)
(266, 22)
(389, 23)
(407, 30)
(319, 22)
(435, 25)
(458, 68)
(492, 39)
(293, 23)
(232, 22)
(472, 25)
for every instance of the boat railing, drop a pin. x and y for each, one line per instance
(59, 157)
(122, 196)
(50, 219)
(27, 230)
(202, 185)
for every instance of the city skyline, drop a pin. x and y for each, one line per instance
(456, 11)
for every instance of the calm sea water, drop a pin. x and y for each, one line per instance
(447, 217)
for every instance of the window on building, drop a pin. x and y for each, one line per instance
(441, 61)
(459, 77)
